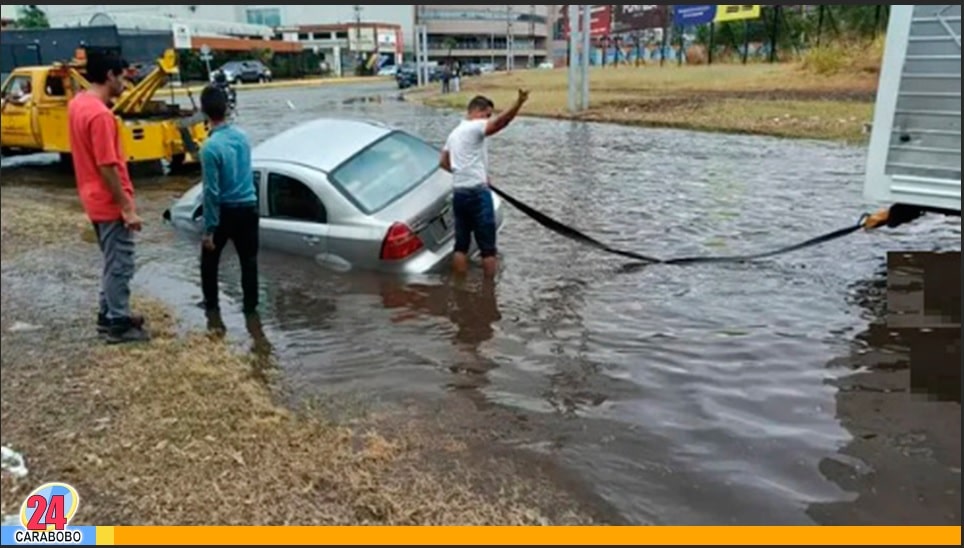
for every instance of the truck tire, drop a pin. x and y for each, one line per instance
(177, 163)
(65, 163)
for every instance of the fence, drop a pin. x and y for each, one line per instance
(779, 32)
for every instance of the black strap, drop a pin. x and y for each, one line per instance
(568, 231)
(574, 234)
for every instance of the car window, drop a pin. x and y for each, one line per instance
(289, 198)
(55, 86)
(18, 89)
(385, 170)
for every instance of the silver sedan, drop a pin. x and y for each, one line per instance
(350, 194)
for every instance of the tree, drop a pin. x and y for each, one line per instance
(449, 43)
(32, 17)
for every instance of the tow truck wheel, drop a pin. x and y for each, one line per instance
(177, 163)
(65, 164)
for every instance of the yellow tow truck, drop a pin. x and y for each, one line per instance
(34, 114)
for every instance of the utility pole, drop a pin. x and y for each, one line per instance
(509, 45)
(358, 53)
(574, 89)
(421, 48)
(492, 49)
(586, 36)
(579, 38)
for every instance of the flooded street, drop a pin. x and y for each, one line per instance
(706, 394)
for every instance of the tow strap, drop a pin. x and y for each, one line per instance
(866, 221)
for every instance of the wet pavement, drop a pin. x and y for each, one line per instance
(680, 394)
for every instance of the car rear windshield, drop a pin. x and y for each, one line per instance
(386, 170)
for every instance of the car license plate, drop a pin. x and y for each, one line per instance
(447, 220)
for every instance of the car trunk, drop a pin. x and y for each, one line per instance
(426, 209)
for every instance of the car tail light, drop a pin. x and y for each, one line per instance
(400, 242)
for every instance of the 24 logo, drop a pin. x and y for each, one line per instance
(46, 513)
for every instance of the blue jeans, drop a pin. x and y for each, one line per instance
(474, 215)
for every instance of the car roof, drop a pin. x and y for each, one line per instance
(322, 144)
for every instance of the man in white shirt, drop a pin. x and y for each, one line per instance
(465, 156)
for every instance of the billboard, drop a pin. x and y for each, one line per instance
(725, 13)
(700, 14)
(600, 22)
(627, 17)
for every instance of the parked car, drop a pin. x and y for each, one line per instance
(246, 72)
(350, 194)
(406, 77)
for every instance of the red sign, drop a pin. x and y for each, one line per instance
(600, 22)
(639, 17)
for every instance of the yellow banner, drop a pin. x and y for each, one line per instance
(725, 13)
(554, 536)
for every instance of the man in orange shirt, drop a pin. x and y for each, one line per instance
(107, 193)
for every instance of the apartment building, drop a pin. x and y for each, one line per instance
(511, 34)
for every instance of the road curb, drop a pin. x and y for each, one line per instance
(285, 84)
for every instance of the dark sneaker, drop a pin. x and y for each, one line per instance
(252, 321)
(215, 322)
(260, 345)
(129, 334)
(103, 324)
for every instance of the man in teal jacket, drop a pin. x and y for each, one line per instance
(230, 205)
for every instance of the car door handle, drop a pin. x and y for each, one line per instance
(311, 240)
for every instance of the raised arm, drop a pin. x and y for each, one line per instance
(502, 121)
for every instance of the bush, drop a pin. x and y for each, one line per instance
(841, 56)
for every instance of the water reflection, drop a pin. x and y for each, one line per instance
(470, 305)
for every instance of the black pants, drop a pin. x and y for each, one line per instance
(240, 225)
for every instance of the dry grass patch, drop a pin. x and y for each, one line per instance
(185, 430)
(840, 57)
(182, 430)
(31, 218)
(787, 100)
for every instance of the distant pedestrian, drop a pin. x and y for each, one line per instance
(107, 193)
(446, 77)
(230, 207)
(465, 155)
(457, 77)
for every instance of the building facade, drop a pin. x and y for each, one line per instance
(520, 35)
(512, 35)
(264, 16)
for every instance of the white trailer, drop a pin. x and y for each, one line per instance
(915, 147)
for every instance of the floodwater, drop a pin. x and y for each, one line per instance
(705, 394)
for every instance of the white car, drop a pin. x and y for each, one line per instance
(350, 194)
